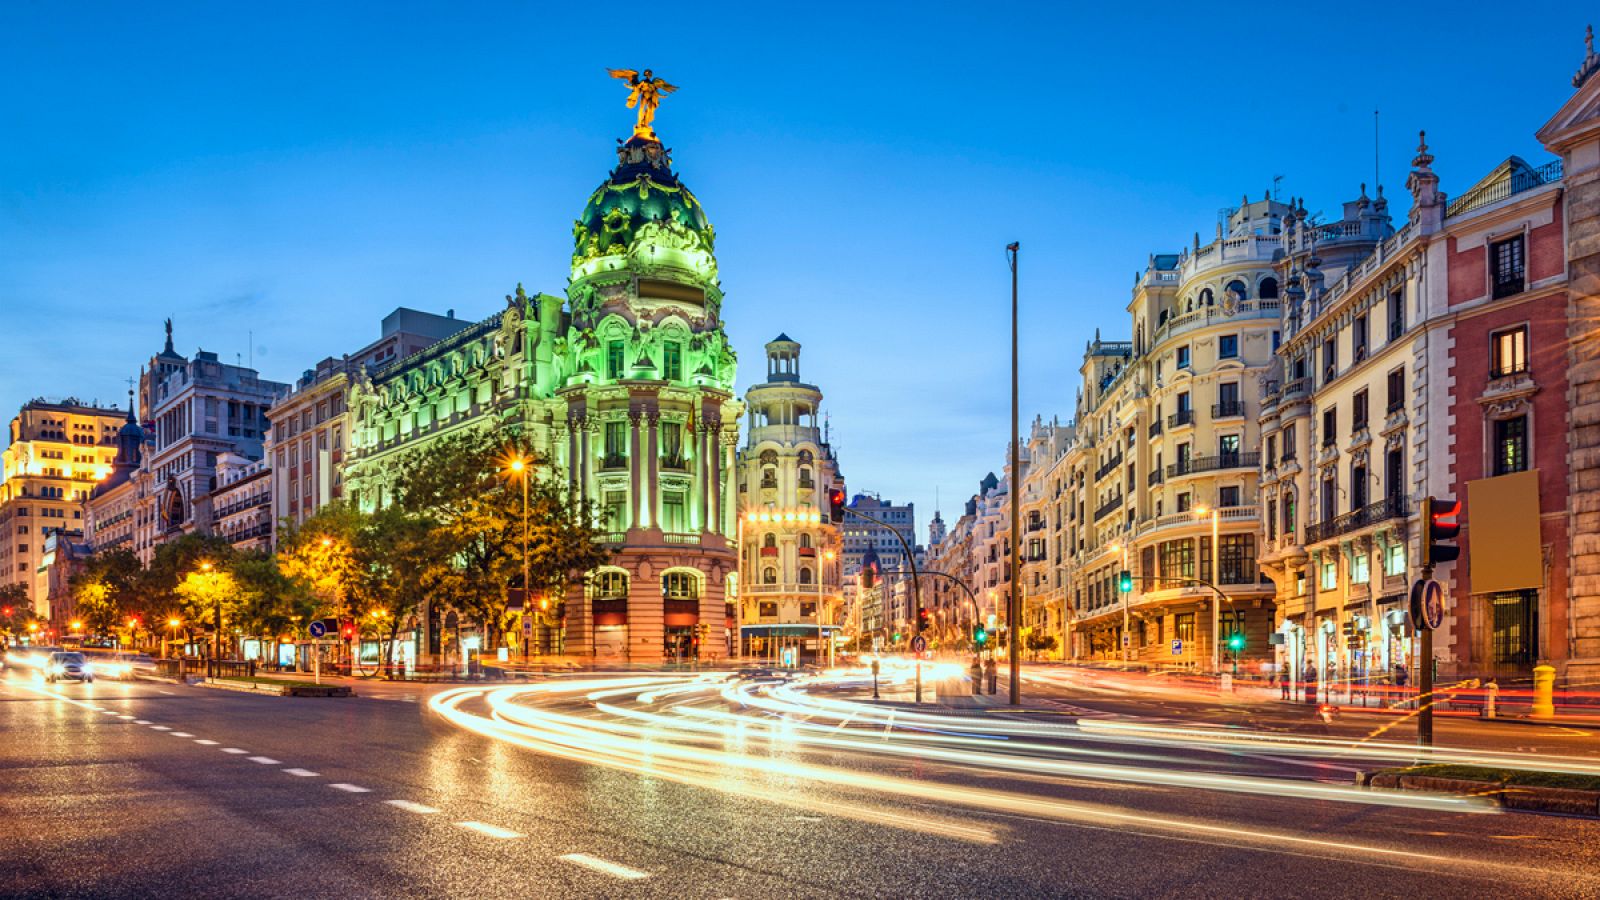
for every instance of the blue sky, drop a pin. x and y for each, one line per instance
(299, 174)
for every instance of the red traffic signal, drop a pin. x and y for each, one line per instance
(836, 505)
(1441, 528)
(6, 610)
(923, 619)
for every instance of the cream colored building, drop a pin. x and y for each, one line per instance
(58, 452)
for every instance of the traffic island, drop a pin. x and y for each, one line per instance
(277, 687)
(1520, 789)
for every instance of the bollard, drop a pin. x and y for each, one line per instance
(1544, 685)
(1490, 693)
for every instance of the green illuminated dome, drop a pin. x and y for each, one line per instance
(642, 191)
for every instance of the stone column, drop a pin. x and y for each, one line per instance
(635, 470)
(652, 466)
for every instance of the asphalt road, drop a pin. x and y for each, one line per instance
(134, 790)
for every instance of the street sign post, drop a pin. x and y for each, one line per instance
(1177, 647)
(317, 629)
(919, 644)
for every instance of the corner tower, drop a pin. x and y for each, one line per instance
(646, 421)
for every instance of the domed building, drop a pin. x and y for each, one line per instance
(626, 388)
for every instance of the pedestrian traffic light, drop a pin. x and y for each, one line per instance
(836, 505)
(1440, 529)
(1125, 582)
(980, 636)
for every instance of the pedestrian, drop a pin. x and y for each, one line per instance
(1310, 678)
(1283, 682)
(994, 678)
(977, 675)
(1401, 677)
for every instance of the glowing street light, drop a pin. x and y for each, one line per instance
(76, 625)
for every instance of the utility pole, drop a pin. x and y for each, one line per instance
(1014, 596)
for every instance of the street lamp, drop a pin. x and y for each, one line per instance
(1216, 576)
(520, 468)
(172, 627)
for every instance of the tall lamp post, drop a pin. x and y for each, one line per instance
(216, 616)
(1216, 604)
(520, 468)
(1014, 595)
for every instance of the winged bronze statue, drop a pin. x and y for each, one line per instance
(644, 92)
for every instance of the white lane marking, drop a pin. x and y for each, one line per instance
(408, 806)
(205, 743)
(265, 760)
(301, 773)
(159, 728)
(124, 717)
(603, 865)
(160, 691)
(109, 712)
(181, 734)
(141, 721)
(233, 750)
(494, 831)
(350, 788)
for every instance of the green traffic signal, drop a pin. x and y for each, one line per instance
(979, 635)
(1236, 642)
(1125, 582)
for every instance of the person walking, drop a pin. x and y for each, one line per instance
(1310, 678)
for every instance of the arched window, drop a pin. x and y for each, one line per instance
(1205, 297)
(1269, 289)
(805, 575)
(769, 575)
(680, 586)
(1238, 289)
(806, 457)
(610, 584)
(1189, 305)
(805, 477)
(769, 457)
(769, 540)
(1162, 320)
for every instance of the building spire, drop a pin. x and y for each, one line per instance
(1591, 62)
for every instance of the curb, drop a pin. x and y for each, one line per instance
(1520, 797)
(277, 690)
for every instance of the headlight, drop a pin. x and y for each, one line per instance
(87, 669)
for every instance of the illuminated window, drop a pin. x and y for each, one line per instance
(614, 359)
(1394, 560)
(1509, 352)
(680, 586)
(1330, 576)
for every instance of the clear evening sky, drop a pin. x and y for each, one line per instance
(299, 170)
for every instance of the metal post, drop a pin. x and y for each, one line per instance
(1216, 604)
(1014, 597)
(527, 589)
(1127, 637)
(1425, 671)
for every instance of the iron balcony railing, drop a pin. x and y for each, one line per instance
(1110, 466)
(1155, 477)
(1523, 180)
(1108, 508)
(1155, 428)
(1393, 507)
(1180, 418)
(1227, 409)
(1213, 463)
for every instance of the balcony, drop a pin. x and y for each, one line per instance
(680, 537)
(1180, 418)
(1227, 409)
(614, 461)
(1394, 507)
(1110, 466)
(1197, 464)
(1155, 428)
(1298, 387)
(675, 463)
(813, 588)
(1155, 478)
(1494, 192)
(807, 552)
(1109, 507)
(771, 552)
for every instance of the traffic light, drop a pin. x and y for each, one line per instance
(1125, 582)
(836, 505)
(349, 630)
(6, 610)
(979, 635)
(923, 619)
(1440, 529)
(897, 637)
(1236, 642)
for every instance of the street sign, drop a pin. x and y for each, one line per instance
(1127, 640)
(318, 629)
(1427, 604)
(919, 644)
(1177, 647)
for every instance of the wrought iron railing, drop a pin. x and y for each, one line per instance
(1522, 180)
(1394, 507)
(1213, 463)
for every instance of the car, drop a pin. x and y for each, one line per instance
(68, 665)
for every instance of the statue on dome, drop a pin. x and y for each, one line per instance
(644, 92)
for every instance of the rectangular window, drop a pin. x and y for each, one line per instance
(1359, 336)
(1511, 445)
(1397, 390)
(1330, 359)
(672, 445)
(672, 361)
(1358, 411)
(1509, 352)
(1394, 474)
(614, 359)
(1360, 568)
(673, 517)
(1272, 450)
(1330, 576)
(616, 511)
(1330, 426)
(1228, 346)
(1228, 496)
(1288, 443)
(1514, 629)
(1183, 627)
(616, 444)
(1177, 562)
(1228, 448)
(1507, 267)
(1397, 314)
(1183, 357)
(1358, 487)
(1394, 560)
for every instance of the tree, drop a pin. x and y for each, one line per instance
(107, 588)
(16, 612)
(465, 487)
(400, 567)
(1038, 642)
(270, 603)
(319, 557)
(210, 594)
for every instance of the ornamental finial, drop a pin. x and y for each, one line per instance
(644, 92)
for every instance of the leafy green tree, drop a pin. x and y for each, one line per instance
(16, 612)
(466, 487)
(108, 588)
(320, 558)
(270, 604)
